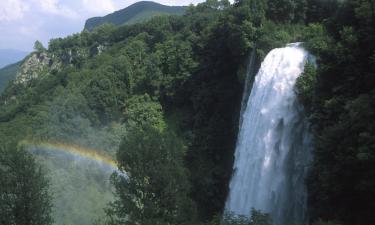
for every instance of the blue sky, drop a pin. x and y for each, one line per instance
(24, 21)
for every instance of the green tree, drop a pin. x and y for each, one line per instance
(38, 46)
(341, 181)
(155, 191)
(142, 110)
(305, 86)
(176, 63)
(24, 195)
(253, 9)
(320, 10)
(286, 10)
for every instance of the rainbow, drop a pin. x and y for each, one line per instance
(75, 150)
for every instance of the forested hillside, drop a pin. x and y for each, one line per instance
(339, 96)
(163, 97)
(138, 12)
(7, 74)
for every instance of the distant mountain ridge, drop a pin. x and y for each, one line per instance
(10, 56)
(137, 12)
(7, 74)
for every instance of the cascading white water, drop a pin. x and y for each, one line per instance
(274, 143)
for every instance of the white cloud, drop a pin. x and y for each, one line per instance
(30, 30)
(99, 6)
(55, 7)
(11, 10)
(50, 6)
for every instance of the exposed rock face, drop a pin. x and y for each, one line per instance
(36, 65)
(97, 49)
(40, 64)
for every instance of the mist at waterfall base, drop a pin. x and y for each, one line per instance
(274, 143)
(79, 179)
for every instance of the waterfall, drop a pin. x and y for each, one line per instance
(274, 143)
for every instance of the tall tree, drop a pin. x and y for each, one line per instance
(38, 46)
(155, 191)
(24, 195)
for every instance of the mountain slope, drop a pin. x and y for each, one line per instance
(137, 12)
(9, 56)
(7, 74)
(183, 76)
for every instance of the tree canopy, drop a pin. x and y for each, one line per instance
(169, 90)
(24, 190)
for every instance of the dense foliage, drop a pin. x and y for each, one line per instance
(164, 97)
(156, 188)
(7, 74)
(25, 197)
(340, 97)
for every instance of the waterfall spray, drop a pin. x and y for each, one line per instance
(102, 161)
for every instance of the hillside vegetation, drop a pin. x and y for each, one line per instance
(8, 74)
(135, 13)
(163, 97)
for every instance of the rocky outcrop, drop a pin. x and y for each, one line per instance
(42, 63)
(37, 64)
